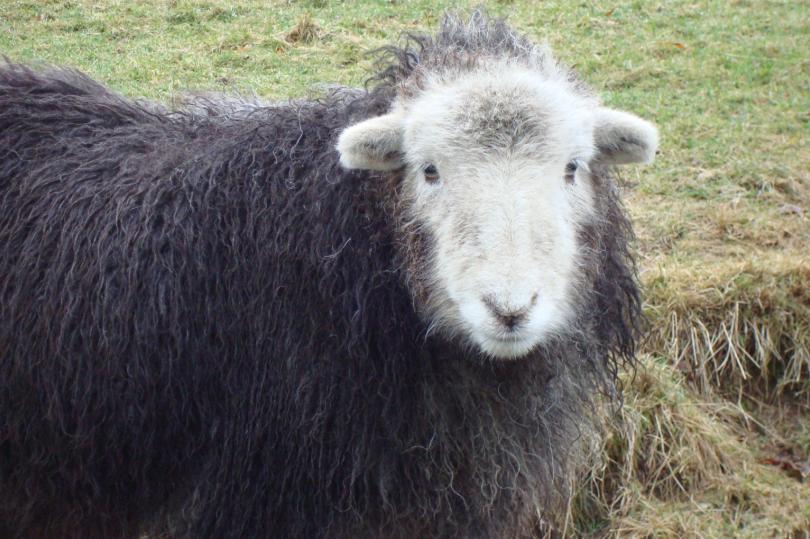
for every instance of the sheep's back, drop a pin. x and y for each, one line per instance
(161, 275)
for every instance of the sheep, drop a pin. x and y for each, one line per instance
(381, 313)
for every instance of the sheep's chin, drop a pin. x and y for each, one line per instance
(506, 349)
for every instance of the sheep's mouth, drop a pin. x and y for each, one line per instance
(508, 338)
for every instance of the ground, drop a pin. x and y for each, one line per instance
(713, 438)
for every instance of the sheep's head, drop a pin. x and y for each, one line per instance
(495, 172)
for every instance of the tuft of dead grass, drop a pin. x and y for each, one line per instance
(675, 465)
(304, 31)
(738, 326)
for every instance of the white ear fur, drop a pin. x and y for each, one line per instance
(373, 144)
(621, 137)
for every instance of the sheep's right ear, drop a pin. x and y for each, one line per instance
(373, 144)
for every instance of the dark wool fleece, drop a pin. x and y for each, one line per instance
(207, 329)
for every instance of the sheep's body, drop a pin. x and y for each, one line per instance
(207, 331)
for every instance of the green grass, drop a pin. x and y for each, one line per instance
(722, 79)
(727, 82)
(722, 216)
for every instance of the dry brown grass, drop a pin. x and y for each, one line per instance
(721, 399)
(738, 326)
(676, 465)
(304, 31)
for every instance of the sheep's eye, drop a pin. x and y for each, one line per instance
(570, 171)
(431, 173)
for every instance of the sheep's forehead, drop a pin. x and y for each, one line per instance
(511, 111)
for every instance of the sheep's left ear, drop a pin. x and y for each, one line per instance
(373, 144)
(621, 137)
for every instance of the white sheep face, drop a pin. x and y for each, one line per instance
(489, 175)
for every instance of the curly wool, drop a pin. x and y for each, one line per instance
(208, 328)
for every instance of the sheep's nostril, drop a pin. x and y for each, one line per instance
(509, 317)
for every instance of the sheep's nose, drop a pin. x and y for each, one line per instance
(507, 314)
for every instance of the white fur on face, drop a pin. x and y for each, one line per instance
(503, 218)
(500, 209)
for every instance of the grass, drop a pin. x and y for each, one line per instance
(722, 216)
(678, 464)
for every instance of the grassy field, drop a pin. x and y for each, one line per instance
(715, 433)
